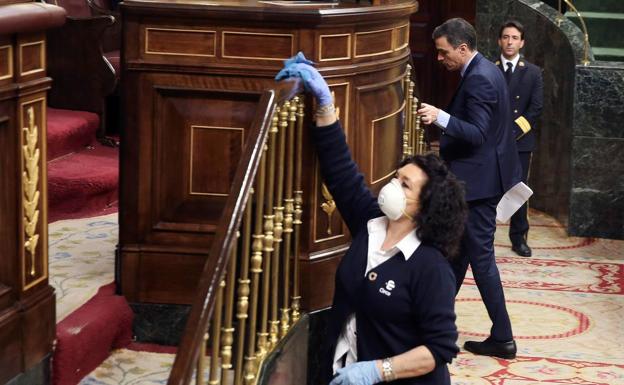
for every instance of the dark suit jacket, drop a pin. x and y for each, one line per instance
(478, 142)
(526, 90)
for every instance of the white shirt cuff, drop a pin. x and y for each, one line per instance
(443, 119)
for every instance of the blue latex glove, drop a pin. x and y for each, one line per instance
(358, 373)
(312, 80)
(298, 58)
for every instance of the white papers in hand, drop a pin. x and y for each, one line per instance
(513, 199)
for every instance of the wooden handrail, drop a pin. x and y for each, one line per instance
(220, 251)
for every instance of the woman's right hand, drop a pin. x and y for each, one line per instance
(299, 66)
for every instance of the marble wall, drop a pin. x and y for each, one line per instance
(555, 45)
(565, 175)
(597, 194)
(159, 323)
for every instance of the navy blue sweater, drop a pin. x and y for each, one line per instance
(419, 307)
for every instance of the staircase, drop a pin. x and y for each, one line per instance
(605, 26)
(82, 174)
(83, 182)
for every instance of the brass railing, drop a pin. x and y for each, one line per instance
(583, 27)
(413, 130)
(248, 295)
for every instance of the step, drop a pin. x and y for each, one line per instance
(599, 5)
(605, 29)
(608, 54)
(69, 131)
(85, 338)
(83, 184)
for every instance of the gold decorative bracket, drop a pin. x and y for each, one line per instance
(329, 206)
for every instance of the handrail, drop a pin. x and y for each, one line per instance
(226, 235)
(585, 33)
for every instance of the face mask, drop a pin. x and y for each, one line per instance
(392, 200)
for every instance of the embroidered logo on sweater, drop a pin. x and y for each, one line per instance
(389, 286)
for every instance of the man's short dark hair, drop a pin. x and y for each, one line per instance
(512, 23)
(457, 31)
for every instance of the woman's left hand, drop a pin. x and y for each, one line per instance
(358, 373)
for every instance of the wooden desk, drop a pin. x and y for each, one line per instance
(192, 73)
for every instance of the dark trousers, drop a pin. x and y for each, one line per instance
(519, 224)
(478, 251)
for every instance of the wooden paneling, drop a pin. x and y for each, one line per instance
(31, 60)
(214, 181)
(372, 43)
(207, 139)
(6, 61)
(434, 84)
(379, 139)
(38, 322)
(180, 42)
(257, 45)
(401, 37)
(334, 47)
(178, 158)
(170, 278)
(27, 302)
(384, 136)
(317, 273)
(10, 345)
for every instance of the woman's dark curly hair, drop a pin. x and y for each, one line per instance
(443, 209)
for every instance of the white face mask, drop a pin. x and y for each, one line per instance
(392, 200)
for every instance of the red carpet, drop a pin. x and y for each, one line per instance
(86, 337)
(70, 131)
(83, 184)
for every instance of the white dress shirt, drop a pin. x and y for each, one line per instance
(377, 228)
(514, 62)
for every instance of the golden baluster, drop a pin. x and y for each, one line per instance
(279, 219)
(298, 212)
(421, 137)
(263, 340)
(415, 125)
(413, 117)
(408, 112)
(289, 209)
(201, 361)
(256, 269)
(213, 377)
(242, 306)
(227, 331)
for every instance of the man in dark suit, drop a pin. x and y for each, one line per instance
(526, 90)
(478, 145)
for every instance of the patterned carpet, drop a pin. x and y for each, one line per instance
(566, 305)
(81, 259)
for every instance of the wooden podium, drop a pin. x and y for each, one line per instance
(27, 305)
(192, 75)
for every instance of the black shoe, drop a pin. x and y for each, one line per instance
(522, 249)
(490, 347)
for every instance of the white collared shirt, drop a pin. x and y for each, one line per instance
(466, 64)
(514, 62)
(377, 228)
